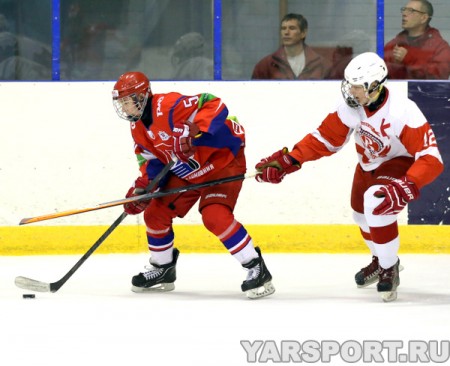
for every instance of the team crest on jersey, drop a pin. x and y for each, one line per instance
(151, 134)
(163, 135)
(376, 145)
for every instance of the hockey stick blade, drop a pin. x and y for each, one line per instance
(33, 285)
(147, 196)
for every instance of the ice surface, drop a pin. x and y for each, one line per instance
(94, 319)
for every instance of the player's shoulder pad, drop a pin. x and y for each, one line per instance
(406, 111)
(349, 116)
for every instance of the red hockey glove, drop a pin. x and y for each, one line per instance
(183, 135)
(274, 168)
(396, 194)
(136, 207)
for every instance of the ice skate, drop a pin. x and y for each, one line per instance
(389, 280)
(259, 280)
(369, 274)
(157, 277)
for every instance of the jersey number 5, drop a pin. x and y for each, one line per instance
(189, 102)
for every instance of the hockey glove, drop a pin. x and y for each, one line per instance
(183, 135)
(396, 194)
(275, 167)
(136, 207)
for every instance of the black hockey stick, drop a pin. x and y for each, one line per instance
(34, 285)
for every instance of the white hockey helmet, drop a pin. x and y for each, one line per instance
(368, 70)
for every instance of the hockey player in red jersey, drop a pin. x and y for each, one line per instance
(397, 153)
(208, 145)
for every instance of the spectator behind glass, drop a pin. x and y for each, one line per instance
(22, 58)
(419, 51)
(189, 60)
(294, 59)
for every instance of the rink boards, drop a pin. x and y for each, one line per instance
(30, 240)
(81, 154)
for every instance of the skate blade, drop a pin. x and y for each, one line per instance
(389, 296)
(162, 287)
(265, 290)
(375, 279)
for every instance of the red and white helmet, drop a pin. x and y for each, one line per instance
(130, 95)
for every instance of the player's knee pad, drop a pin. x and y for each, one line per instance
(217, 218)
(370, 202)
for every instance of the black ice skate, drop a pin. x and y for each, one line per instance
(369, 274)
(388, 282)
(259, 280)
(158, 277)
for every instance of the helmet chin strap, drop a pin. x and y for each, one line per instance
(378, 87)
(376, 96)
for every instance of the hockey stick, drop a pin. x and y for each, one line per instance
(190, 187)
(146, 196)
(34, 285)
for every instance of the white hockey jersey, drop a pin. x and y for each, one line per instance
(397, 128)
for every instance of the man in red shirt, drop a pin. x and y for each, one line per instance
(294, 59)
(419, 51)
(208, 145)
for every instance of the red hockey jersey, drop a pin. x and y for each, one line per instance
(222, 136)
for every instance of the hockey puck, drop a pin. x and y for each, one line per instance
(28, 296)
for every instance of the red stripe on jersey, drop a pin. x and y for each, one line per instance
(230, 231)
(361, 151)
(158, 233)
(242, 246)
(333, 130)
(310, 148)
(160, 249)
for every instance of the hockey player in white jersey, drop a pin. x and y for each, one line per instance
(397, 153)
